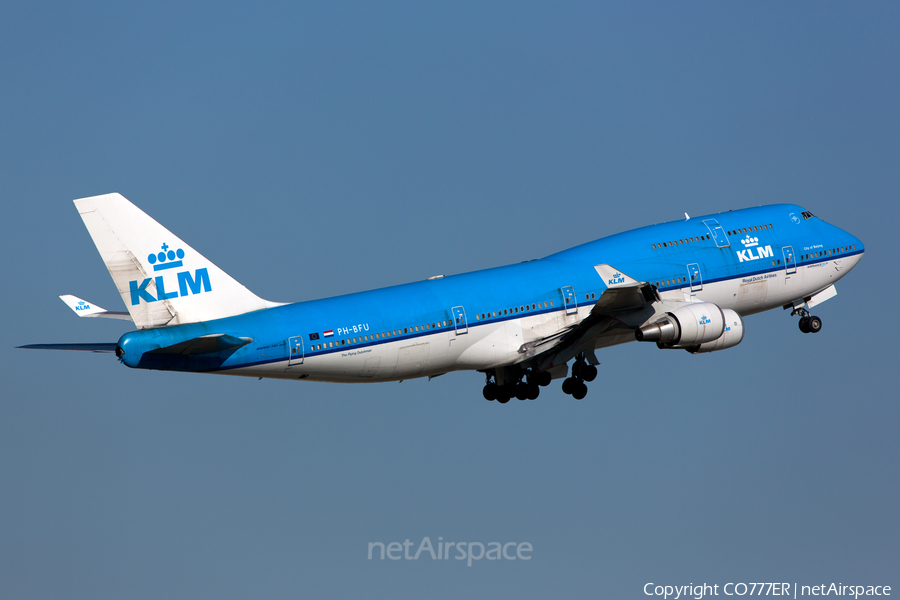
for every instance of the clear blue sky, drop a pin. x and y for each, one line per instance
(317, 150)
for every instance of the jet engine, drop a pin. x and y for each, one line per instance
(732, 336)
(697, 327)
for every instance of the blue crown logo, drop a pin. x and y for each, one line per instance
(167, 259)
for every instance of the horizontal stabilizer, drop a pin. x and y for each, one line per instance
(76, 347)
(83, 308)
(206, 344)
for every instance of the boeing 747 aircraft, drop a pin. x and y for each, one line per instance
(681, 285)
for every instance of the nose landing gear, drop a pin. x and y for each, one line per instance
(808, 323)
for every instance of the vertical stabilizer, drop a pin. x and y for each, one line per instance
(161, 279)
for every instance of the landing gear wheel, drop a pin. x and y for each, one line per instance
(544, 378)
(533, 391)
(522, 391)
(580, 391)
(589, 373)
(804, 324)
(813, 324)
(576, 369)
(568, 385)
(503, 396)
(490, 391)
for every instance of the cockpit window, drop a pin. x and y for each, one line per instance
(806, 215)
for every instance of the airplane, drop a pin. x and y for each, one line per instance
(685, 284)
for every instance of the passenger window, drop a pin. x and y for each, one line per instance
(551, 303)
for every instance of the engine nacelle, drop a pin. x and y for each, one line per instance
(734, 333)
(691, 325)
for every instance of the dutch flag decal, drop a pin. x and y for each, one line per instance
(328, 333)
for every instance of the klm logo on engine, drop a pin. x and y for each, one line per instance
(617, 278)
(187, 283)
(704, 320)
(753, 251)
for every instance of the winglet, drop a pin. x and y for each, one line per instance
(613, 278)
(83, 308)
(623, 292)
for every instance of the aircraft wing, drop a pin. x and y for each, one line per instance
(625, 300)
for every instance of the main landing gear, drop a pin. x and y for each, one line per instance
(529, 389)
(581, 372)
(808, 323)
(503, 385)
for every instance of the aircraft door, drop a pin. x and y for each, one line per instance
(718, 234)
(569, 300)
(295, 350)
(459, 320)
(789, 265)
(695, 277)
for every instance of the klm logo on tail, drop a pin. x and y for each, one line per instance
(753, 251)
(187, 283)
(617, 278)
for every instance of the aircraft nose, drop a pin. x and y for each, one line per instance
(854, 243)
